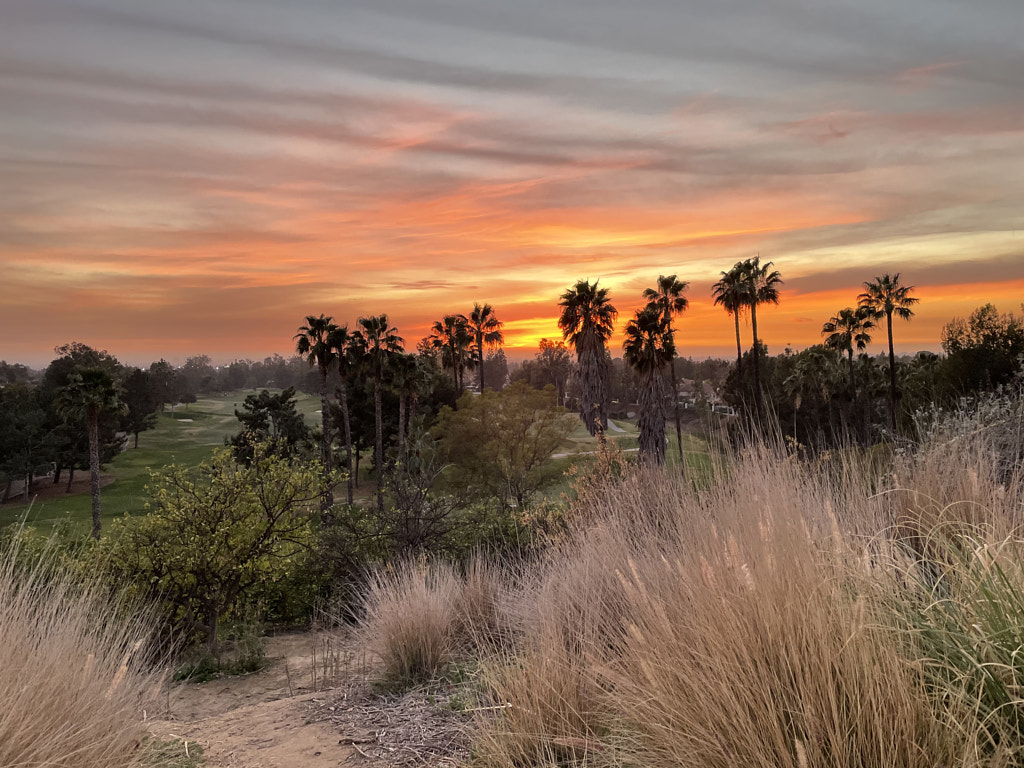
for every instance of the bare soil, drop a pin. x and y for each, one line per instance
(44, 489)
(313, 706)
(260, 720)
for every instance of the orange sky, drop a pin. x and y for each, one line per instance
(175, 184)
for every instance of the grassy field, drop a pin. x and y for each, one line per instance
(186, 436)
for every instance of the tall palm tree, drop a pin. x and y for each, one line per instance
(648, 347)
(485, 328)
(885, 297)
(380, 342)
(405, 379)
(346, 356)
(728, 293)
(88, 393)
(759, 285)
(316, 343)
(452, 336)
(849, 329)
(586, 321)
(667, 298)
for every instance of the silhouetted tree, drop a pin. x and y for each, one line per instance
(485, 329)
(316, 343)
(378, 342)
(140, 403)
(667, 298)
(586, 321)
(648, 348)
(885, 297)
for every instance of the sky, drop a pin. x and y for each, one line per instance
(198, 176)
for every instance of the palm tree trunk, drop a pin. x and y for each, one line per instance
(343, 396)
(455, 371)
(892, 377)
(758, 405)
(94, 471)
(739, 345)
(378, 451)
(675, 406)
(480, 359)
(855, 404)
(401, 424)
(652, 419)
(325, 444)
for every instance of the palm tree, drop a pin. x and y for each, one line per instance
(452, 336)
(759, 286)
(485, 328)
(345, 355)
(648, 346)
(885, 297)
(379, 342)
(667, 298)
(88, 393)
(728, 292)
(847, 330)
(316, 343)
(586, 321)
(405, 380)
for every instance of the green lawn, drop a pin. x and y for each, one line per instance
(187, 436)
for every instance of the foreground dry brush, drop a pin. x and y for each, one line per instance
(74, 681)
(848, 611)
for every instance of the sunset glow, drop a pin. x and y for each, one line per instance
(197, 177)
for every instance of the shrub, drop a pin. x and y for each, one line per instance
(410, 619)
(783, 614)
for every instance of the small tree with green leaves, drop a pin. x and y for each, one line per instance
(216, 531)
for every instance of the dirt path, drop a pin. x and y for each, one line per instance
(262, 720)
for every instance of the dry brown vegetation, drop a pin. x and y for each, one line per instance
(850, 611)
(74, 681)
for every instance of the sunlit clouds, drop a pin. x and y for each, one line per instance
(197, 177)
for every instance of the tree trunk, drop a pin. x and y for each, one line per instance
(136, 441)
(7, 490)
(758, 404)
(71, 478)
(739, 345)
(27, 490)
(480, 359)
(343, 393)
(675, 407)
(211, 628)
(94, 471)
(593, 386)
(652, 419)
(378, 449)
(401, 425)
(359, 453)
(325, 447)
(892, 377)
(56, 472)
(855, 403)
